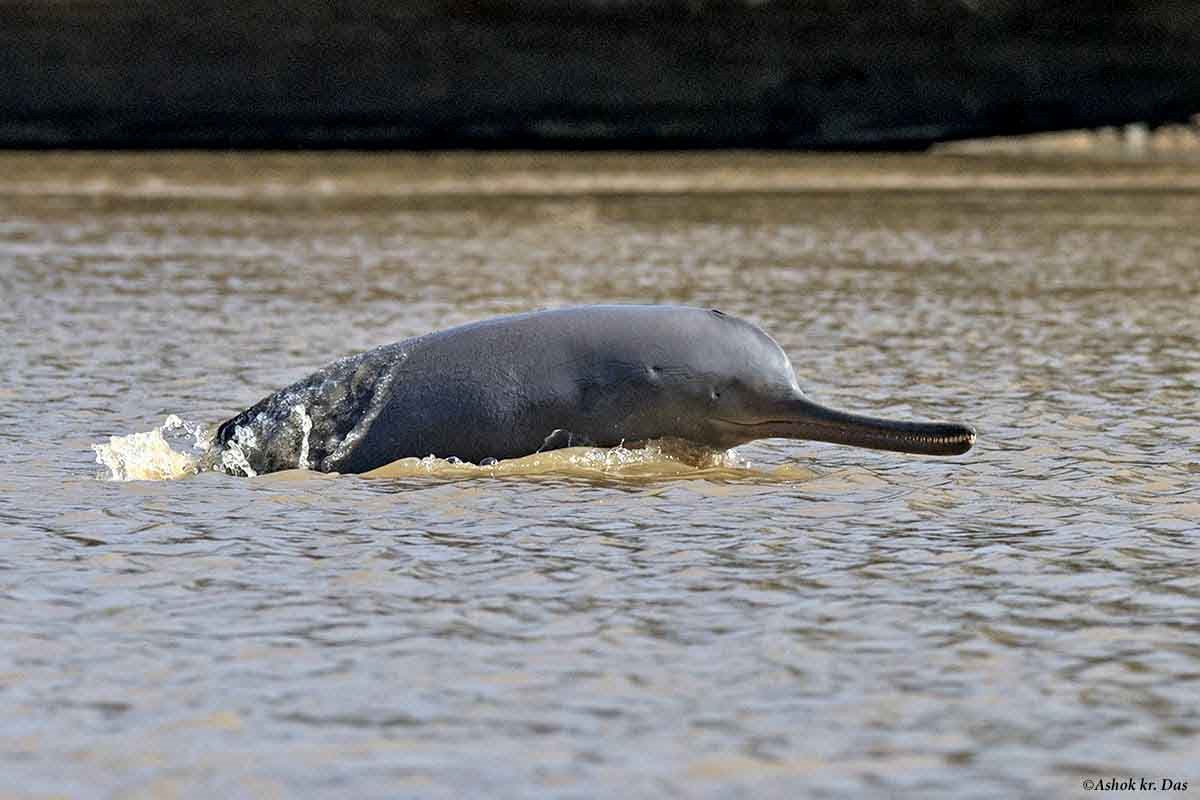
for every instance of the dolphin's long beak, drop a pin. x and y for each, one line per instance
(801, 418)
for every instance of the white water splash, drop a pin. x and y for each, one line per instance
(150, 456)
(659, 458)
(306, 425)
(178, 449)
(233, 457)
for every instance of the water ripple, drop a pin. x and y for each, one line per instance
(826, 621)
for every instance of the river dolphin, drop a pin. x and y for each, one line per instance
(516, 385)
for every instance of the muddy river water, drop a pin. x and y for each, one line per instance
(805, 620)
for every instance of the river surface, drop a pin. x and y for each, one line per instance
(806, 621)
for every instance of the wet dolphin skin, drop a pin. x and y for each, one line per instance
(592, 375)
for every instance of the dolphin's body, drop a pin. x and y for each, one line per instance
(595, 375)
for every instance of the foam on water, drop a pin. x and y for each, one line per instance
(149, 456)
(177, 449)
(657, 459)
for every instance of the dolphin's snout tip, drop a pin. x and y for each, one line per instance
(966, 439)
(948, 439)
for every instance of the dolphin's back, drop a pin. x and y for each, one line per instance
(499, 388)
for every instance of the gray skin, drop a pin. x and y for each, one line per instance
(596, 375)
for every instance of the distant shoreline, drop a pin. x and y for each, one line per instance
(1130, 141)
(589, 75)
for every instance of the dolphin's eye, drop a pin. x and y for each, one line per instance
(714, 393)
(718, 312)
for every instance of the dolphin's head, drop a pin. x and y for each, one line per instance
(743, 388)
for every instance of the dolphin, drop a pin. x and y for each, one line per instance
(516, 385)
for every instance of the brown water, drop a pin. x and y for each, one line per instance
(807, 620)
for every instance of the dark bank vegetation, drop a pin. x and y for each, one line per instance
(598, 74)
